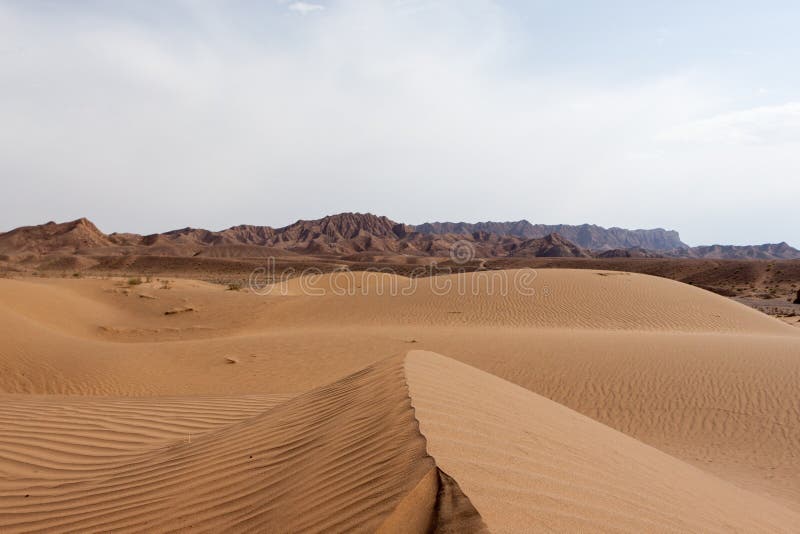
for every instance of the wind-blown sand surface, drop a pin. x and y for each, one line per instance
(139, 407)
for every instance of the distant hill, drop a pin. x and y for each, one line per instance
(334, 235)
(588, 236)
(550, 246)
(635, 252)
(351, 234)
(767, 251)
(53, 237)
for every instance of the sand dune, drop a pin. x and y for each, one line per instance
(563, 298)
(548, 298)
(47, 438)
(529, 464)
(411, 444)
(353, 449)
(113, 388)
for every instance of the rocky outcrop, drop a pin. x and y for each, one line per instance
(767, 251)
(549, 246)
(635, 252)
(248, 234)
(357, 233)
(588, 236)
(73, 236)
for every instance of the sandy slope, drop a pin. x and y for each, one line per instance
(529, 464)
(699, 377)
(411, 444)
(339, 458)
(57, 438)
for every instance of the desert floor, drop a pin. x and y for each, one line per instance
(507, 401)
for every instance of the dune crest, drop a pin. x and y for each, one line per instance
(414, 443)
(344, 457)
(703, 379)
(530, 464)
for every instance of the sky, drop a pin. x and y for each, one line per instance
(149, 116)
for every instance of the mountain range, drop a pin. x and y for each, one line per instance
(348, 234)
(588, 236)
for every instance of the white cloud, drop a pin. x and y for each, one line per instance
(765, 125)
(416, 114)
(304, 8)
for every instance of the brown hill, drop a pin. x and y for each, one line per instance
(193, 236)
(345, 226)
(589, 236)
(69, 237)
(341, 234)
(483, 244)
(334, 235)
(767, 251)
(550, 246)
(635, 252)
(350, 235)
(248, 234)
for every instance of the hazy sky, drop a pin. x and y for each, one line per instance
(150, 116)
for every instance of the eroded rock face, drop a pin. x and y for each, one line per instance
(355, 233)
(50, 237)
(342, 234)
(589, 236)
(767, 251)
(550, 246)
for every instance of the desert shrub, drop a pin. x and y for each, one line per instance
(134, 281)
(234, 286)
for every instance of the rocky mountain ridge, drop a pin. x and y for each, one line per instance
(359, 233)
(589, 236)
